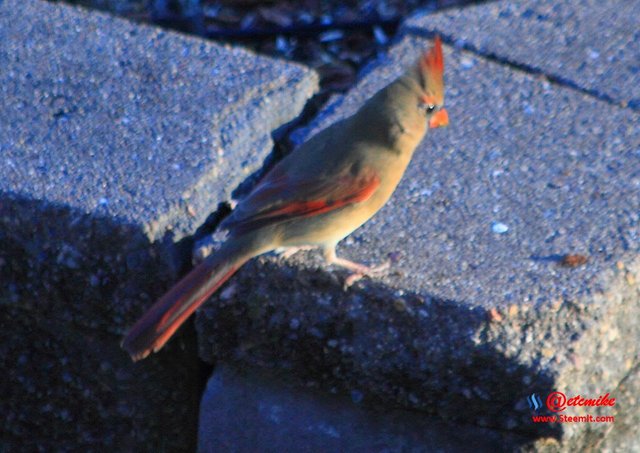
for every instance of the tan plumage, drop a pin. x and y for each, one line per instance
(315, 196)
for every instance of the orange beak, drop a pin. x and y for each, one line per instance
(439, 119)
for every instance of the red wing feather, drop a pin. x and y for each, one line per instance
(281, 198)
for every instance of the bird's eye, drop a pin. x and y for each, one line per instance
(428, 108)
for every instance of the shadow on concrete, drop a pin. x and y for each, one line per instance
(384, 348)
(71, 284)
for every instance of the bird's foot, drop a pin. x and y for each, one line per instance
(366, 271)
(358, 271)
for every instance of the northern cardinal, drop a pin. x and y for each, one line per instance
(315, 196)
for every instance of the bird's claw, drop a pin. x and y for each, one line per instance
(366, 271)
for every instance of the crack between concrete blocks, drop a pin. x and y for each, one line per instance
(519, 66)
(217, 214)
(281, 146)
(634, 370)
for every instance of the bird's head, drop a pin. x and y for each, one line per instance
(427, 74)
(401, 113)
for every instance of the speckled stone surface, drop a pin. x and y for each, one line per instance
(116, 141)
(130, 122)
(248, 410)
(478, 310)
(624, 435)
(590, 44)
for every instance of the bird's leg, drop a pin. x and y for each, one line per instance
(358, 270)
(286, 252)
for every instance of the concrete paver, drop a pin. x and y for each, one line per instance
(589, 44)
(472, 318)
(116, 141)
(245, 409)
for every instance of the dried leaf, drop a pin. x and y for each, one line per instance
(576, 260)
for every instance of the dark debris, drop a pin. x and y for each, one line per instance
(334, 38)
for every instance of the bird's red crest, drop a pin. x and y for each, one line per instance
(431, 69)
(432, 61)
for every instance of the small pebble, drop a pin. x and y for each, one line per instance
(499, 228)
(467, 63)
(229, 292)
(495, 315)
(400, 305)
(331, 35)
(281, 44)
(631, 279)
(380, 36)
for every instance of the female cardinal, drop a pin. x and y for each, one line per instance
(315, 196)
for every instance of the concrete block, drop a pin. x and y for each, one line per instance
(253, 410)
(482, 306)
(590, 45)
(116, 141)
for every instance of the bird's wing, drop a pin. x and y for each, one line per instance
(279, 197)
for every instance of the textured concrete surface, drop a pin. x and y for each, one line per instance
(134, 123)
(243, 411)
(589, 44)
(624, 434)
(479, 310)
(116, 140)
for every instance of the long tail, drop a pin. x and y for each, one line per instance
(159, 323)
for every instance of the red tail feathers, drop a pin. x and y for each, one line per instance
(158, 324)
